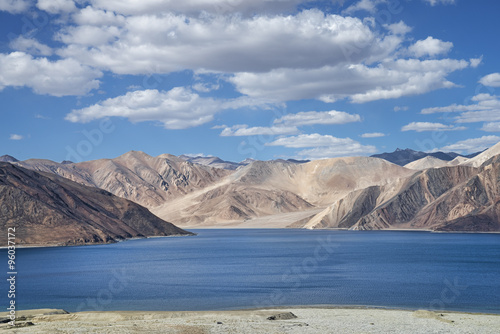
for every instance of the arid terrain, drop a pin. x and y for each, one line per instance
(285, 320)
(359, 193)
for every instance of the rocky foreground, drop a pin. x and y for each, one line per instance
(286, 320)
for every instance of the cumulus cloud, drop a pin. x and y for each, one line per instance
(399, 28)
(244, 130)
(369, 6)
(56, 6)
(224, 43)
(472, 145)
(31, 46)
(427, 126)
(178, 108)
(373, 135)
(318, 117)
(491, 80)
(57, 78)
(491, 127)
(360, 83)
(430, 47)
(486, 108)
(205, 88)
(324, 146)
(14, 6)
(16, 137)
(132, 7)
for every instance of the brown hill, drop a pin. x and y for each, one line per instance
(149, 181)
(266, 188)
(47, 209)
(458, 198)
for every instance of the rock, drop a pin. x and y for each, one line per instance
(283, 316)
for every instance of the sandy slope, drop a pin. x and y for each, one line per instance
(308, 320)
(483, 157)
(427, 162)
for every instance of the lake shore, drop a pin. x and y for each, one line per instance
(277, 320)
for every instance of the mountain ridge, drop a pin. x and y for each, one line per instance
(47, 209)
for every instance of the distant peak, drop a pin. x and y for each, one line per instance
(8, 158)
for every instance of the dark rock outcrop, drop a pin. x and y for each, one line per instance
(47, 209)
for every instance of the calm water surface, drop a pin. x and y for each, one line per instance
(232, 269)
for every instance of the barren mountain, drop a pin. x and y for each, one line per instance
(275, 187)
(8, 158)
(47, 209)
(404, 157)
(149, 181)
(458, 198)
(483, 157)
(355, 192)
(213, 162)
(427, 162)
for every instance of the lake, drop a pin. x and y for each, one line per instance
(235, 269)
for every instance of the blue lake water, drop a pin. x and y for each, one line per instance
(234, 269)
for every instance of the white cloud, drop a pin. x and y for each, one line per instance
(430, 47)
(244, 130)
(491, 80)
(491, 127)
(133, 7)
(475, 62)
(360, 83)
(205, 88)
(16, 137)
(403, 108)
(14, 6)
(97, 17)
(31, 46)
(56, 6)
(373, 135)
(324, 146)
(318, 117)
(427, 126)
(472, 145)
(58, 78)
(179, 108)
(399, 28)
(369, 6)
(485, 109)
(166, 43)
(437, 2)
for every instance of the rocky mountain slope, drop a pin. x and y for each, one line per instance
(354, 192)
(455, 198)
(149, 181)
(213, 162)
(47, 209)
(484, 156)
(427, 162)
(8, 158)
(274, 187)
(404, 157)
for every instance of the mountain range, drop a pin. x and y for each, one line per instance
(47, 209)
(353, 193)
(404, 157)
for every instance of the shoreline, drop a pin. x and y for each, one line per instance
(289, 319)
(247, 228)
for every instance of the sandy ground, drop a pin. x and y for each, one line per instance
(288, 320)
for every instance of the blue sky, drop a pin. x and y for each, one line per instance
(262, 79)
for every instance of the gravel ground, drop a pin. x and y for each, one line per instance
(268, 321)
